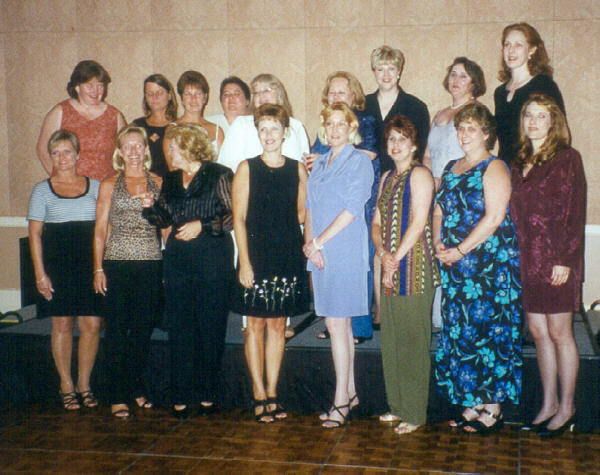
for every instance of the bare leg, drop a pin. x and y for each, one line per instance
(62, 350)
(89, 329)
(351, 388)
(340, 330)
(546, 356)
(254, 349)
(274, 349)
(377, 287)
(561, 332)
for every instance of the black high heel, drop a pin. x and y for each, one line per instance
(337, 423)
(551, 433)
(536, 427)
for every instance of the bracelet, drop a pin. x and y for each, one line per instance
(381, 253)
(317, 247)
(458, 248)
(98, 270)
(41, 280)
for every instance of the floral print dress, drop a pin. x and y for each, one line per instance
(478, 359)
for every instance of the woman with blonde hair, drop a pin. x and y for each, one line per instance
(194, 209)
(548, 208)
(127, 270)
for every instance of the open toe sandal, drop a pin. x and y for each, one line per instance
(70, 402)
(88, 399)
(262, 417)
(278, 412)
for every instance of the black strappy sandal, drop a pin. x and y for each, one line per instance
(88, 399)
(264, 417)
(70, 401)
(337, 423)
(278, 413)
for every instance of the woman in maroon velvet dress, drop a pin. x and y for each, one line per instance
(548, 208)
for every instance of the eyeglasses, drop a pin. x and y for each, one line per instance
(266, 90)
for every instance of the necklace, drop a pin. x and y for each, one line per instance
(454, 107)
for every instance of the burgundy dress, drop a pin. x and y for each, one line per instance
(548, 209)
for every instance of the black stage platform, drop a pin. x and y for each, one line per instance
(307, 379)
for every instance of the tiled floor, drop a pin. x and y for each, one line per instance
(45, 439)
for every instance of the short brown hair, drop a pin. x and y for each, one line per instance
(539, 63)
(84, 72)
(193, 142)
(118, 162)
(353, 84)
(480, 114)
(193, 78)
(558, 138)
(274, 111)
(163, 82)
(62, 135)
(474, 72)
(353, 137)
(401, 123)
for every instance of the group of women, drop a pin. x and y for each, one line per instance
(379, 194)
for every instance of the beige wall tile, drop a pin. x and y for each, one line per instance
(38, 15)
(432, 12)
(4, 181)
(361, 13)
(280, 53)
(324, 58)
(510, 11)
(242, 14)
(583, 10)
(33, 86)
(113, 15)
(204, 52)
(189, 15)
(10, 277)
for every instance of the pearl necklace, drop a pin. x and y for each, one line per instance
(454, 107)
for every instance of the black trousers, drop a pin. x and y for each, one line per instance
(131, 306)
(198, 277)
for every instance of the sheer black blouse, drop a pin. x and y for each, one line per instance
(207, 198)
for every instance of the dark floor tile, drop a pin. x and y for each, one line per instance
(36, 461)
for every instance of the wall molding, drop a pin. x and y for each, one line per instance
(13, 222)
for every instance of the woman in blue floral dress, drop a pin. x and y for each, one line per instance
(478, 360)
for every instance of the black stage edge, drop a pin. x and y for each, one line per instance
(306, 385)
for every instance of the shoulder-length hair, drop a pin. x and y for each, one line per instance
(84, 72)
(273, 82)
(163, 82)
(473, 70)
(353, 137)
(193, 142)
(538, 63)
(353, 84)
(558, 138)
(117, 159)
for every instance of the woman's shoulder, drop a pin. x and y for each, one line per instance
(41, 187)
(217, 168)
(140, 122)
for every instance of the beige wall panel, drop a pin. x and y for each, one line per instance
(195, 15)
(38, 15)
(432, 12)
(277, 52)
(577, 76)
(361, 13)
(202, 51)
(10, 277)
(324, 58)
(426, 60)
(33, 85)
(510, 11)
(4, 181)
(585, 9)
(244, 14)
(128, 59)
(113, 15)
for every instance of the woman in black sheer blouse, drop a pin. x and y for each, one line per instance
(194, 208)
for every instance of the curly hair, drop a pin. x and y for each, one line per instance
(193, 142)
(480, 114)
(353, 137)
(354, 86)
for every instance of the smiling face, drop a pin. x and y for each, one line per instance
(339, 91)
(459, 81)
(537, 122)
(90, 93)
(271, 134)
(157, 97)
(387, 76)
(63, 156)
(516, 50)
(133, 150)
(399, 147)
(337, 130)
(471, 137)
(193, 99)
(233, 101)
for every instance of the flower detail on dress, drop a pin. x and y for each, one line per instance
(275, 293)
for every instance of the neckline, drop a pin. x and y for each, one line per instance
(469, 169)
(84, 117)
(260, 159)
(85, 192)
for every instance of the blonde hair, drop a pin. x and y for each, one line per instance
(387, 55)
(193, 142)
(117, 159)
(354, 86)
(271, 81)
(353, 137)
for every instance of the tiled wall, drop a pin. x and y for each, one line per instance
(300, 41)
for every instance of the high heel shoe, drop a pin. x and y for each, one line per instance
(337, 424)
(538, 426)
(551, 433)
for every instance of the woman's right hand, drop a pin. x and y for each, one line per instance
(317, 259)
(309, 159)
(388, 279)
(246, 276)
(44, 287)
(147, 199)
(100, 282)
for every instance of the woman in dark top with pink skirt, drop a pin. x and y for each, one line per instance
(548, 208)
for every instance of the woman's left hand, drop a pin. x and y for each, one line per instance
(189, 231)
(388, 262)
(449, 256)
(388, 279)
(317, 260)
(560, 274)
